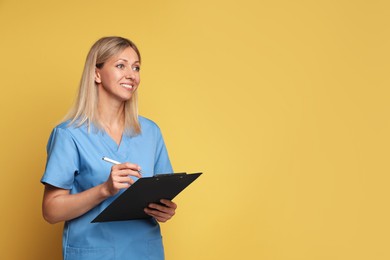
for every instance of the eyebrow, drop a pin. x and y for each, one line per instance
(121, 59)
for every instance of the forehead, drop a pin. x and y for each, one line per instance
(128, 54)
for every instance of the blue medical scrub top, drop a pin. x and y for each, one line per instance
(74, 162)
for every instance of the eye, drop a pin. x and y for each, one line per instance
(136, 68)
(120, 66)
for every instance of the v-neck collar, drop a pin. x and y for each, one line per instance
(111, 142)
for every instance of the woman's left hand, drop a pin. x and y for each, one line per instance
(161, 212)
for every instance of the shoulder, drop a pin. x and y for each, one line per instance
(149, 128)
(61, 128)
(62, 125)
(147, 124)
(67, 130)
(61, 136)
(70, 126)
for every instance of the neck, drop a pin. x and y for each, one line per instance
(112, 119)
(112, 116)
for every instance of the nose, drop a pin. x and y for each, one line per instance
(130, 74)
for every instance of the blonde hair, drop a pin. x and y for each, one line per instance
(84, 111)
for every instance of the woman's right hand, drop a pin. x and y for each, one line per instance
(120, 177)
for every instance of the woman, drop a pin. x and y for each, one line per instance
(79, 184)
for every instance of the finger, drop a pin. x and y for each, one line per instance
(156, 207)
(158, 215)
(127, 172)
(169, 203)
(123, 179)
(127, 165)
(161, 220)
(122, 185)
(131, 173)
(161, 208)
(116, 187)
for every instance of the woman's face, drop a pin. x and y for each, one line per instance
(119, 77)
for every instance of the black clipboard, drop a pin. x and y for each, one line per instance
(132, 202)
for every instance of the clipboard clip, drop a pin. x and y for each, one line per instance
(168, 174)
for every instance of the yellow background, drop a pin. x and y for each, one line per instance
(284, 105)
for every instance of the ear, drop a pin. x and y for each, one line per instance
(98, 79)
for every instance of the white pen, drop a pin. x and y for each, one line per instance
(113, 161)
(110, 160)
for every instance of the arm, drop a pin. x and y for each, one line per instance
(59, 205)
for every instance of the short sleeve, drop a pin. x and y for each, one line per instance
(62, 160)
(162, 164)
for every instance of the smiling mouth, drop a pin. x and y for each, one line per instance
(127, 86)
